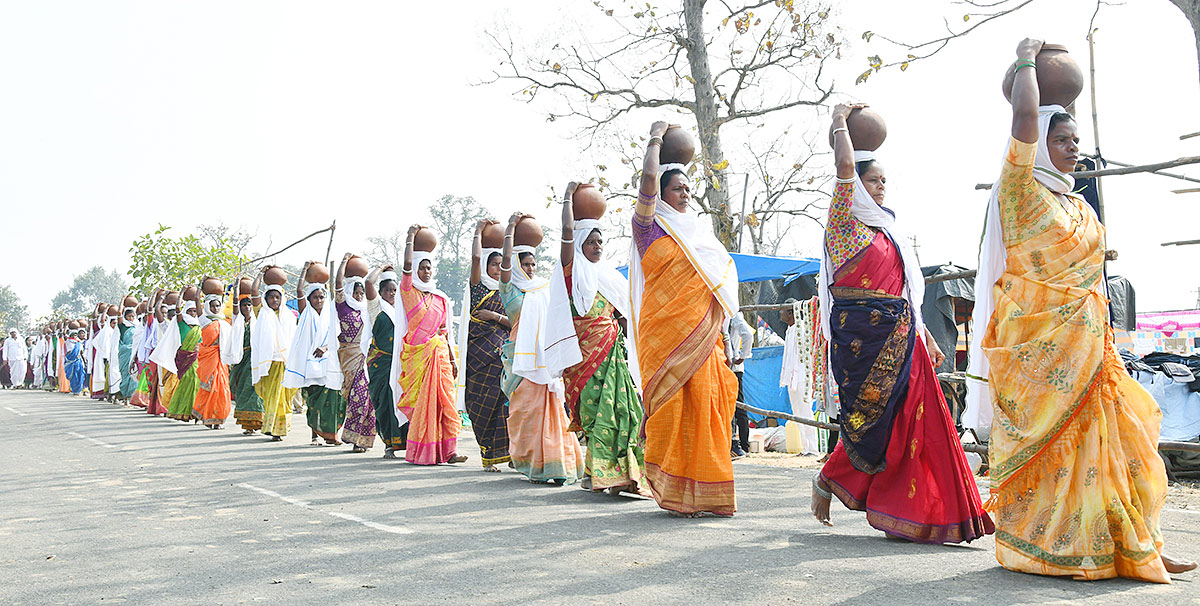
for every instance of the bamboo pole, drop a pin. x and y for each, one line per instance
(1125, 170)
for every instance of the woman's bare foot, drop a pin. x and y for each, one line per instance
(390, 453)
(356, 449)
(821, 498)
(1175, 566)
(586, 483)
(680, 514)
(491, 469)
(457, 459)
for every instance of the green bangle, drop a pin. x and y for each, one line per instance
(1019, 66)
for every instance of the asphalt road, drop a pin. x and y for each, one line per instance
(104, 504)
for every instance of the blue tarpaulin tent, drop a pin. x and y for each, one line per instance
(758, 268)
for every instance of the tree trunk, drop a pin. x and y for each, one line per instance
(1191, 9)
(706, 121)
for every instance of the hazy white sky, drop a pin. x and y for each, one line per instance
(282, 116)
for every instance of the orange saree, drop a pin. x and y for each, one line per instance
(689, 393)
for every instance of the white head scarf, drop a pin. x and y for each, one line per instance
(588, 278)
(208, 300)
(993, 259)
(188, 318)
(865, 209)
(364, 336)
(312, 331)
(126, 310)
(703, 250)
(544, 339)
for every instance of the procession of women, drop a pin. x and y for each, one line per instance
(626, 384)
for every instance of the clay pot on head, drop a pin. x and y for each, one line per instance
(172, 298)
(73, 325)
(1059, 78)
(101, 307)
(142, 307)
(678, 147)
(588, 202)
(528, 232)
(130, 301)
(113, 311)
(317, 273)
(245, 285)
(492, 236)
(275, 275)
(214, 286)
(189, 293)
(867, 129)
(357, 267)
(425, 240)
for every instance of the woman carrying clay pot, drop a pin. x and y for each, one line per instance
(220, 346)
(312, 363)
(248, 407)
(541, 346)
(1076, 480)
(270, 342)
(899, 457)
(487, 330)
(600, 391)
(382, 284)
(684, 286)
(427, 368)
(176, 352)
(354, 341)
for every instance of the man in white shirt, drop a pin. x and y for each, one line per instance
(17, 356)
(739, 345)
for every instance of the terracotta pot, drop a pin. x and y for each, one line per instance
(677, 146)
(245, 285)
(214, 286)
(528, 232)
(867, 129)
(171, 298)
(588, 202)
(357, 267)
(189, 293)
(113, 311)
(317, 273)
(425, 240)
(275, 275)
(100, 307)
(1059, 78)
(73, 325)
(493, 236)
(130, 301)
(142, 307)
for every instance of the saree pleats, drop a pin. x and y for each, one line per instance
(689, 393)
(247, 406)
(183, 396)
(540, 445)
(428, 402)
(603, 401)
(276, 400)
(486, 404)
(359, 426)
(213, 400)
(326, 410)
(1077, 483)
(379, 382)
(129, 380)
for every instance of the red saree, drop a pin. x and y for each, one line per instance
(905, 467)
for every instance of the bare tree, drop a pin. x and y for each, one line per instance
(454, 219)
(978, 13)
(387, 249)
(236, 239)
(723, 64)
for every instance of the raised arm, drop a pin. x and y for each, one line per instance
(341, 272)
(255, 297)
(372, 291)
(408, 247)
(506, 252)
(843, 147)
(567, 250)
(649, 186)
(1025, 94)
(477, 250)
(300, 284)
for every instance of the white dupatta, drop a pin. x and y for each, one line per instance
(314, 330)
(545, 343)
(271, 336)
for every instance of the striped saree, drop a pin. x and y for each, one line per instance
(426, 379)
(486, 403)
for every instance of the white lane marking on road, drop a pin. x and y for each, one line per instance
(16, 412)
(1191, 511)
(336, 514)
(92, 440)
